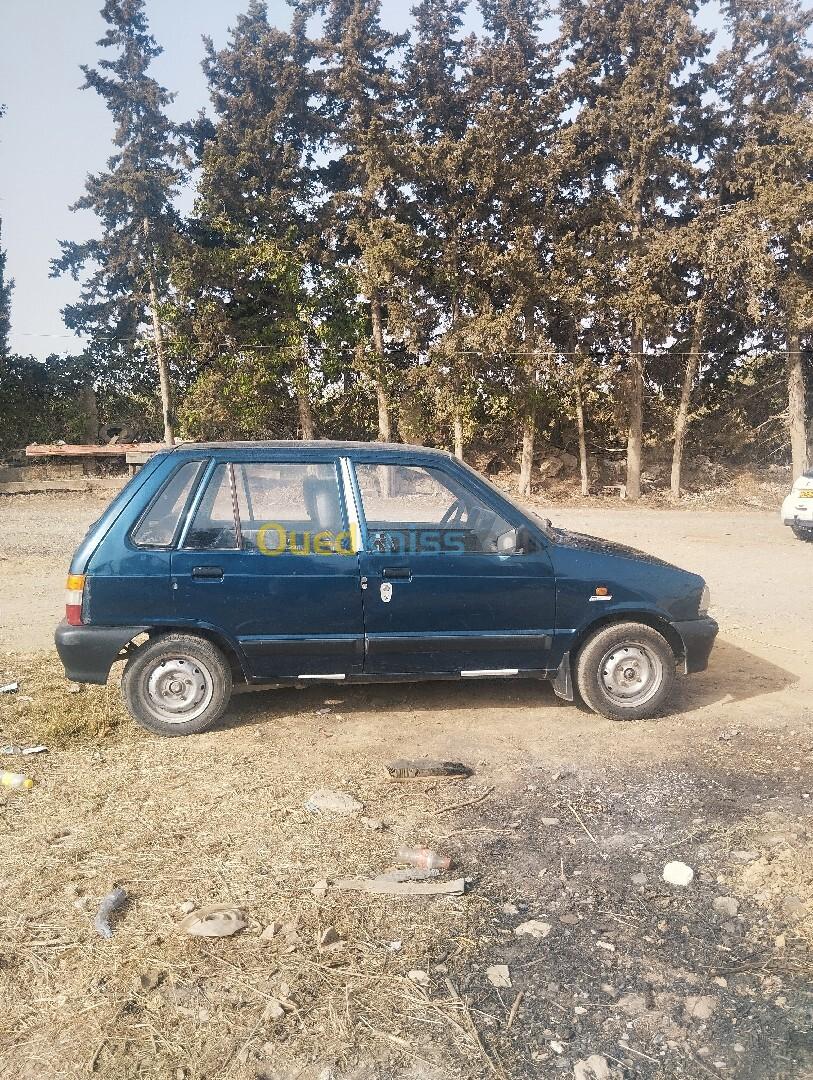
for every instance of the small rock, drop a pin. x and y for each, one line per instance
(779, 941)
(793, 906)
(533, 928)
(738, 1048)
(639, 879)
(330, 940)
(595, 1067)
(606, 945)
(510, 909)
(271, 931)
(743, 856)
(273, 1010)
(150, 979)
(570, 918)
(549, 821)
(678, 873)
(699, 1006)
(374, 824)
(720, 981)
(557, 1047)
(727, 736)
(726, 905)
(420, 978)
(499, 975)
(395, 946)
(320, 888)
(187, 906)
(632, 1004)
(326, 801)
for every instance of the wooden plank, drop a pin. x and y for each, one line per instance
(83, 450)
(137, 457)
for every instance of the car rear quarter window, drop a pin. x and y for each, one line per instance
(159, 524)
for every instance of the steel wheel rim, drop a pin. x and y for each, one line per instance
(631, 674)
(179, 689)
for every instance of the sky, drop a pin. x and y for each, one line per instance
(54, 134)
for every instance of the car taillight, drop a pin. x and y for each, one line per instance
(73, 599)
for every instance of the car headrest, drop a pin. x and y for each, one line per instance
(322, 502)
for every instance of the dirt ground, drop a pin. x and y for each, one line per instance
(568, 820)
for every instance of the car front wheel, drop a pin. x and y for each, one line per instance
(802, 533)
(177, 684)
(625, 671)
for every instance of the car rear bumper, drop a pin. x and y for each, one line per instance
(698, 637)
(88, 652)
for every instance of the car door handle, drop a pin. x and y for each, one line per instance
(212, 573)
(400, 573)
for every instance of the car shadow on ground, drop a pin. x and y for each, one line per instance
(733, 675)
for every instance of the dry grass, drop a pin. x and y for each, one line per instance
(215, 819)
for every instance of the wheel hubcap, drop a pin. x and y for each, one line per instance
(179, 689)
(631, 674)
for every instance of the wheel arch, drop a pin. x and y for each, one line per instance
(648, 618)
(227, 647)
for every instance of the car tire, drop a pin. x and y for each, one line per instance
(802, 533)
(625, 671)
(177, 684)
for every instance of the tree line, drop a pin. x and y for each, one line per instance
(600, 237)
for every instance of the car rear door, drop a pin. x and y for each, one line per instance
(266, 558)
(439, 597)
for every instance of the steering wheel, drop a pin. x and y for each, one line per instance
(454, 515)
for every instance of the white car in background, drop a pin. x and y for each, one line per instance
(797, 509)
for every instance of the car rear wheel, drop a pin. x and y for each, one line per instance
(177, 684)
(625, 671)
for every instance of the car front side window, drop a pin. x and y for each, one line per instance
(423, 510)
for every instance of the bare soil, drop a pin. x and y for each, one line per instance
(563, 811)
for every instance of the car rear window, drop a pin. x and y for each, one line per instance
(158, 526)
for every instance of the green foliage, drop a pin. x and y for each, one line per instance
(470, 232)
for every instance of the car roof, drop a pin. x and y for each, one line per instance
(310, 444)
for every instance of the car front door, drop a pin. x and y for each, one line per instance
(267, 559)
(440, 594)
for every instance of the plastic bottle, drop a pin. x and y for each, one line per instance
(15, 780)
(423, 858)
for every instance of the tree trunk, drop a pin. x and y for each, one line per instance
(306, 424)
(526, 461)
(797, 423)
(458, 434)
(90, 414)
(302, 389)
(158, 339)
(382, 397)
(636, 410)
(582, 440)
(682, 415)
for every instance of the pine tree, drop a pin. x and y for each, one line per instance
(363, 214)
(515, 118)
(637, 103)
(249, 277)
(6, 287)
(768, 89)
(444, 212)
(132, 199)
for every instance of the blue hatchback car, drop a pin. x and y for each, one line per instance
(288, 563)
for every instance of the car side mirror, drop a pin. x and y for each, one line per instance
(515, 541)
